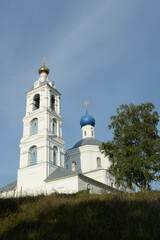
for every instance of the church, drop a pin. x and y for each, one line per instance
(44, 166)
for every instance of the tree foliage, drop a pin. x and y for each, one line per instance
(134, 151)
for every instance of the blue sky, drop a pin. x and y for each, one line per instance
(105, 51)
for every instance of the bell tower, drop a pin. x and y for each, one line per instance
(42, 144)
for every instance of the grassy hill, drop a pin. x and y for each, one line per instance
(81, 216)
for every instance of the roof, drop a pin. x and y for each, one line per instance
(60, 173)
(98, 184)
(87, 141)
(43, 84)
(9, 187)
(87, 119)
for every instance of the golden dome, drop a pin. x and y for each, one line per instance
(43, 69)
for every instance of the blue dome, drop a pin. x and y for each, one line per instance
(87, 120)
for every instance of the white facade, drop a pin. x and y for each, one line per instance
(43, 168)
(42, 145)
(86, 158)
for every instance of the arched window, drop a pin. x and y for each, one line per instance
(36, 101)
(34, 126)
(53, 102)
(33, 155)
(98, 162)
(54, 155)
(74, 166)
(54, 126)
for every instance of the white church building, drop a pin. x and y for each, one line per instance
(44, 167)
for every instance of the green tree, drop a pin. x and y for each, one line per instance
(134, 151)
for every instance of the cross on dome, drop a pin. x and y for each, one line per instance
(86, 103)
(87, 119)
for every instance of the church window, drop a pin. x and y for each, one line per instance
(33, 155)
(85, 133)
(74, 166)
(98, 162)
(54, 155)
(54, 126)
(36, 101)
(53, 103)
(34, 126)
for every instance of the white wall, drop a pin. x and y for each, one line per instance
(86, 158)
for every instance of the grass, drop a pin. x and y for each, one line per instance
(81, 216)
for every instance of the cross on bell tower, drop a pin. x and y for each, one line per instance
(44, 61)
